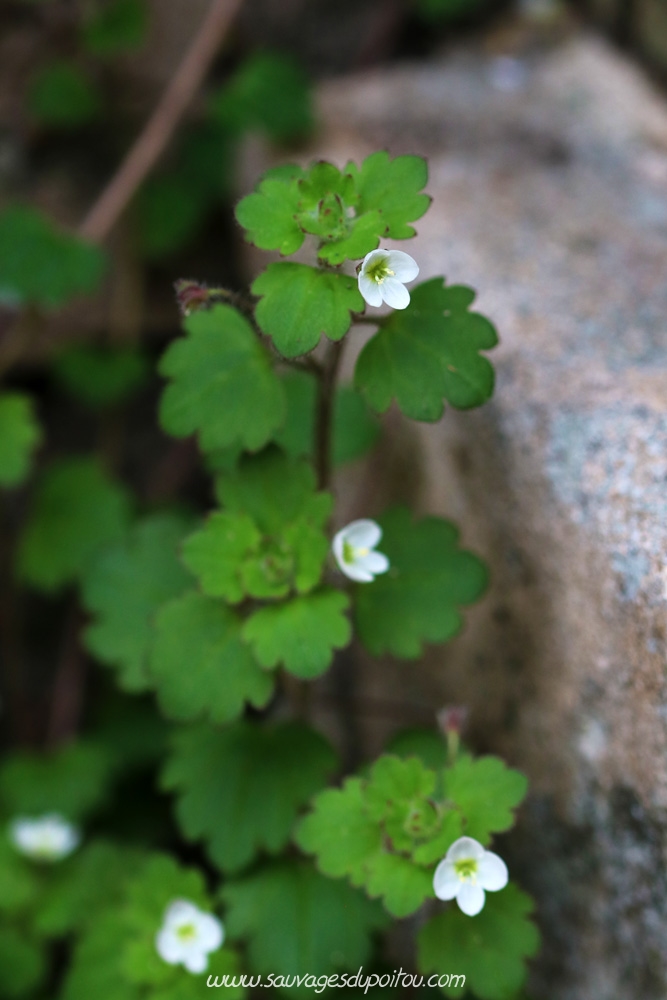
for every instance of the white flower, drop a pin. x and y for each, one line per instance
(382, 278)
(466, 871)
(353, 548)
(187, 936)
(47, 838)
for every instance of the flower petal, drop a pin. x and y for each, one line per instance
(446, 883)
(179, 912)
(363, 534)
(471, 899)
(168, 947)
(210, 932)
(404, 266)
(357, 573)
(394, 293)
(374, 563)
(370, 290)
(337, 549)
(492, 872)
(196, 961)
(464, 849)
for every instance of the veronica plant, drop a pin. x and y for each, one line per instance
(228, 618)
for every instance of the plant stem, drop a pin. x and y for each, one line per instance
(155, 137)
(324, 414)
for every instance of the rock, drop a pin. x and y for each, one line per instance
(550, 197)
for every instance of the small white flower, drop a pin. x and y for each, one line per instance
(466, 871)
(382, 278)
(353, 546)
(46, 838)
(188, 935)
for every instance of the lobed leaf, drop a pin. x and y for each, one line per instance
(298, 303)
(417, 601)
(223, 386)
(199, 663)
(486, 792)
(125, 587)
(301, 634)
(240, 788)
(324, 925)
(427, 353)
(490, 950)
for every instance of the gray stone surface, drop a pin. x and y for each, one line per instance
(551, 199)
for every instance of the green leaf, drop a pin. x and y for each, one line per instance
(76, 511)
(41, 265)
(355, 428)
(340, 832)
(61, 95)
(402, 886)
(298, 303)
(101, 377)
(19, 436)
(240, 788)
(215, 552)
(486, 792)
(426, 744)
(435, 849)
(223, 385)
(73, 781)
(363, 235)
(489, 950)
(125, 587)
(269, 539)
(417, 600)
(323, 925)
(274, 491)
(269, 215)
(159, 882)
(115, 26)
(300, 634)
(83, 887)
(428, 352)
(392, 187)
(23, 964)
(269, 92)
(19, 881)
(199, 663)
(95, 969)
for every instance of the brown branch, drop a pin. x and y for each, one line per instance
(147, 149)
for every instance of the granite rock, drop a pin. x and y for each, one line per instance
(550, 198)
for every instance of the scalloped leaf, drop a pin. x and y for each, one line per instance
(324, 925)
(125, 587)
(427, 353)
(240, 788)
(417, 601)
(490, 950)
(298, 303)
(300, 634)
(199, 663)
(222, 384)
